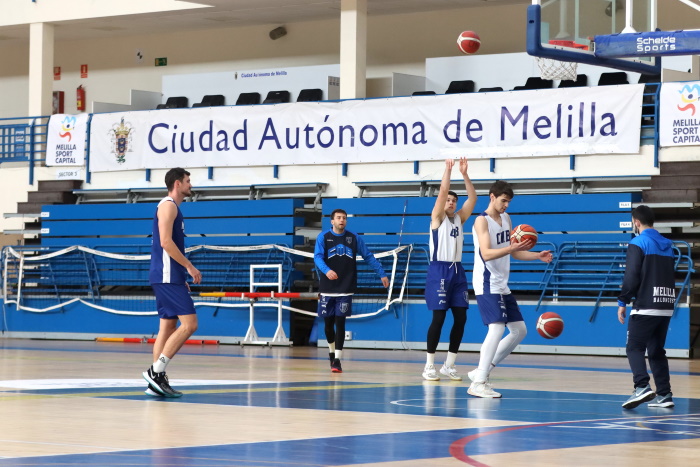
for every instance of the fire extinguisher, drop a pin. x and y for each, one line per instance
(80, 98)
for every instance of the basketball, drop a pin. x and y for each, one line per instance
(550, 325)
(468, 42)
(524, 233)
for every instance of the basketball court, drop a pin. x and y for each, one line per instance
(82, 403)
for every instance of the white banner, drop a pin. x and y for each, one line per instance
(679, 119)
(65, 139)
(596, 120)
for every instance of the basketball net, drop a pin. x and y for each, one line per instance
(556, 69)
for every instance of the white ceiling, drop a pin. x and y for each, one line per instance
(233, 13)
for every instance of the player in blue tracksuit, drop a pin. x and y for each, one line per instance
(649, 283)
(168, 277)
(335, 257)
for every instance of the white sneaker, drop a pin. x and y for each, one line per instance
(483, 390)
(451, 372)
(472, 374)
(430, 374)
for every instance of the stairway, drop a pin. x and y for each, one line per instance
(49, 192)
(675, 198)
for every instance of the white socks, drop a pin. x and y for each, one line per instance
(331, 347)
(338, 354)
(450, 360)
(160, 364)
(430, 359)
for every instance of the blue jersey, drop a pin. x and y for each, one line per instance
(338, 252)
(164, 269)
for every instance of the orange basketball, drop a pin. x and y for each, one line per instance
(468, 42)
(550, 325)
(524, 233)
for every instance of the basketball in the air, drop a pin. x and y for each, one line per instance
(524, 233)
(550, 325)
(468, 42)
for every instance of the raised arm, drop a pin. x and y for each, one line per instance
(438, 214)
(468, 206)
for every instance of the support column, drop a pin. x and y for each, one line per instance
(353, 49)
(40, 68)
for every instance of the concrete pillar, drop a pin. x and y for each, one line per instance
(353, 49)
(40, 68)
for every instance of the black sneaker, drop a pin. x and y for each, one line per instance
(335, 366)
(151, 391)
(331, 357)
(159, 382)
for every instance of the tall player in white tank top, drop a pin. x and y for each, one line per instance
(498, 307)
(446, 281)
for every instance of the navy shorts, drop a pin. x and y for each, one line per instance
(334, 306)
(173, 300)
(446, 286)
(497, 308)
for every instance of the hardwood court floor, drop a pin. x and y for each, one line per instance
(82, 403)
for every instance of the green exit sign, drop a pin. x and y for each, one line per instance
(163, 61)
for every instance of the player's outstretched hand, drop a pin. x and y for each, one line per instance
(385, 282)
(545, 256)
(463, 165)
(621, 312)
(449, 163)
(196, 275)
(331, 275)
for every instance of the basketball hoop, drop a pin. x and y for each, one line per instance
(556, 69)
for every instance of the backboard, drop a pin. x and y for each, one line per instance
(565, 30)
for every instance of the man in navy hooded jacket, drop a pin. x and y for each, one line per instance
(649, 283)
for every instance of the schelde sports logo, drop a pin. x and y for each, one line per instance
(67, 127)
(121, 134)
(689, 98)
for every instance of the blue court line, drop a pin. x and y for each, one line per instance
(378, 448)
(186, 351)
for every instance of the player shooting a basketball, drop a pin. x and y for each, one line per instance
(446, 281)
(498, 307)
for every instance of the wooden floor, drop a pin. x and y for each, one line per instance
(82, 403)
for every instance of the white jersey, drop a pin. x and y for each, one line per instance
(491, 277)
(447, 241)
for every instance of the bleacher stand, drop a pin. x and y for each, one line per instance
(493, 89)
(310, 95)
(277, 97)
(535, 82)
(214, 100)
(423, 93)
(174, 103)
(248, 98)
(612, 78)
(458, 87)
(580, 81)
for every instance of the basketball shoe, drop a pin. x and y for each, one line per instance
(639, 396)
(159, 382)
(331, 357)
(483, 390)
(662, 401)
(336, 367)
(430, 374)
(451, 372)
(151, 391)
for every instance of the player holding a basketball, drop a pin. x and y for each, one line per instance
(335, 255)
(492, 251)
(446, 281)
(168, 277)
(649, 280)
